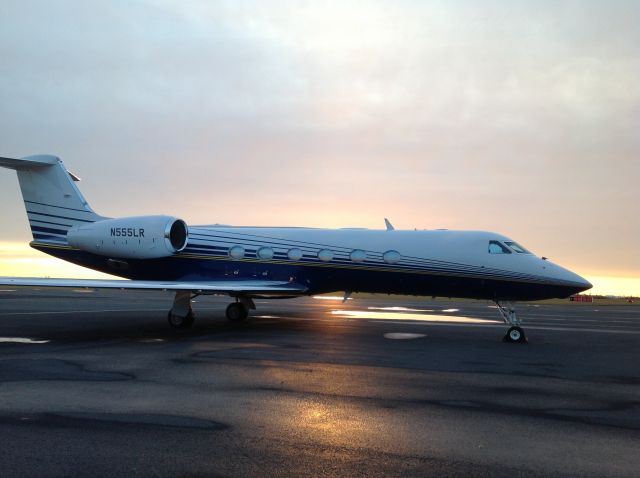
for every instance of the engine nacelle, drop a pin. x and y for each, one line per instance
(142, 237)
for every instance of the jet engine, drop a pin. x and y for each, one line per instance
(142, 237)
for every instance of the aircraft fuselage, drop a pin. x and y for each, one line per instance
(429, 262)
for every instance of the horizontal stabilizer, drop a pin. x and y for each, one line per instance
(240, 287)
(29, 162)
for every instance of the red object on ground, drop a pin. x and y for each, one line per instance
(581, 298)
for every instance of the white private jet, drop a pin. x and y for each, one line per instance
(163, 253)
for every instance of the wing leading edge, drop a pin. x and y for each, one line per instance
(239, 287)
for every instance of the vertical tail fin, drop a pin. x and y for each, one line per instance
(53, 202)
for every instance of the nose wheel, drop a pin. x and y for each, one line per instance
(515, 335)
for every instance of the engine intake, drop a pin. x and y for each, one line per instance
(178, 234)
(141, 237)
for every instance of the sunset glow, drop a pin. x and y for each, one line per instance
(393, 238)
(513, 117)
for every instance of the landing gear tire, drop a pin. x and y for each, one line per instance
(237, 312)
(515, 335)
(179, 322)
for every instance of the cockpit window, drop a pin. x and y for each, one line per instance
(496, 247)
(517, 247)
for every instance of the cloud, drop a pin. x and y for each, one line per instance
(518, 117)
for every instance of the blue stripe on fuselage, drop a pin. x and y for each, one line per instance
(49, 238)
(32, 220)
(59, 217)
(49, 230)
(59, 207)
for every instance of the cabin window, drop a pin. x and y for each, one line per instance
(294, 254)
(358, 255)
(517, 247)
(325, 255)
(496, 247)
(391, 257)
(265, 253)
(236, 252)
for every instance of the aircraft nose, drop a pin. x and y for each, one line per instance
(579, 280)
(579, 283)
(584, 283)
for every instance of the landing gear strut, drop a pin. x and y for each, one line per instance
(515, 334)
(181, 314)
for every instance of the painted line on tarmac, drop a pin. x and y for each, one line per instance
(576, 329)
(22, 340)
(402, 336)
(96, 311)
(607, 320)
(502, 326)
(573, 323)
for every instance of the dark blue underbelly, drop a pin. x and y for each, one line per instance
(322, 278)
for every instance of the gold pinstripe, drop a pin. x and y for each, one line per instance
(345, 266)
(307, 264)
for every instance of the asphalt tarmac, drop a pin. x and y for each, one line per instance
(95, 383)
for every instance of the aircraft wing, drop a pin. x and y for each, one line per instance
(231, 287)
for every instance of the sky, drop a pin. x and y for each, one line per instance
(520, 117)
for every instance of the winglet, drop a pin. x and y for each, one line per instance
(389, 225)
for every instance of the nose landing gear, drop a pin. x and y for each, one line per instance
(515, 334)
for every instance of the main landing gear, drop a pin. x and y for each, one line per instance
(239, 310)
(178, 322)
(515, 334)
(181, 315)
(236, 312)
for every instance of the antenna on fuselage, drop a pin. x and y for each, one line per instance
(389, 225)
